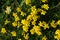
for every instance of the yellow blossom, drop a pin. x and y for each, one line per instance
(33, 22)
(40, 23)
(17, 18)
(39, 10)
(6, 21)
(13, 33)
(25, 22)
(45, 6)
(8, 10)
(14, 24)
(3, 30)
(26, 36)
(35, 17)
(44, 38)
(19, 39)
(44, 1)
(33, 13)
(18, 24)
(43, 12)
(18, 9)
(57, 34)
(58, 22)
(25, 28)
(27, 2)
(37, 30)
(32, 31)
(45, 25)
(29, 17)
(15, 14)
(33, 10)
(39, 33)
(53, 24)
(23, 14)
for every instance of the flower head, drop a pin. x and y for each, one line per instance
(3, 30)
(13, 33)
(8, 10)
(45, 6)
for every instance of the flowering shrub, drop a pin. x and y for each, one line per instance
(29, 20)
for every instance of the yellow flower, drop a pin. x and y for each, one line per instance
(29, 17)
(23, 14)
(19, 39)
(45, 25)
(33, 10)
(40, 23)
(25, 28)
(6, 21)
(14, 24)
(26, 36)
(32, 31)
(25, 22)
(38, 33)
(35, 17)
(8, 10)
(33, 22)
(58, 22)
(57, 36)
(18, 9)
(53, 24)
(39, 10)
(33, 13)
(37, 30)
(13, 33)
(45, 6)
(15, 14)
(18, 24)
(3, 30)
(44, 1)
(17, 18)
(44, 38)
(27, 2)
(43, 12)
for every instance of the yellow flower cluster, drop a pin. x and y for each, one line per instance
(36, 29)
(16, 17)
(25, 22)
(43, 24)
(26, 25)
(30, 24)
(57, 34)
(8, 10)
